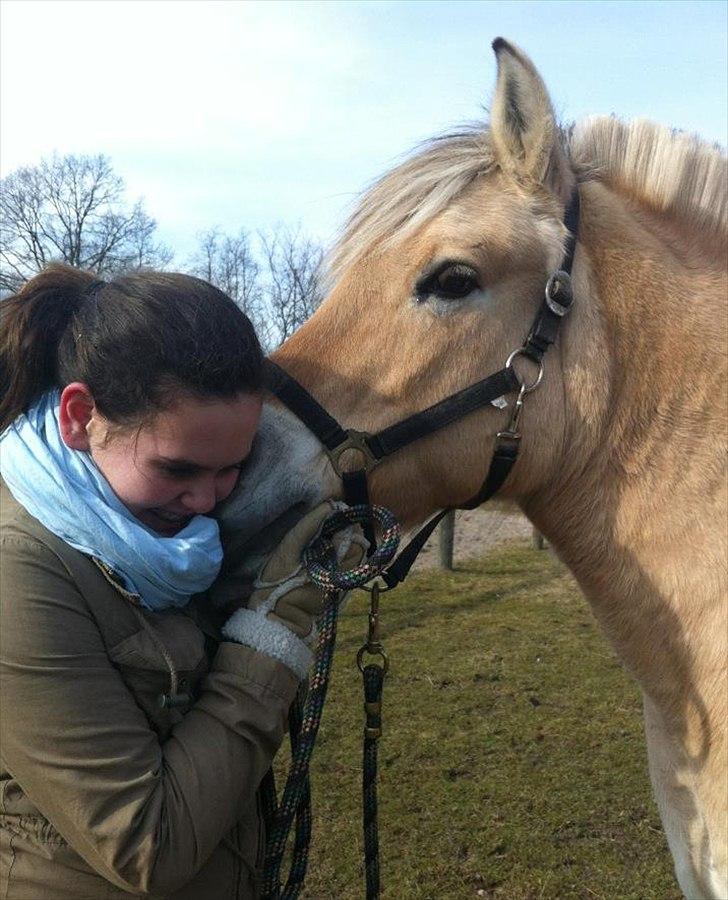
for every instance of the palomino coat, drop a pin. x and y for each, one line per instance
(103, 792)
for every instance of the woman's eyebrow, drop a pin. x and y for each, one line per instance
(177, 461)
(189, 464)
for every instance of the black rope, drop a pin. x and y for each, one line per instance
(373, 682)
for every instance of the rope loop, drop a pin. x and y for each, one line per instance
(320, 555)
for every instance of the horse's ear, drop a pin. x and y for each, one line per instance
(522, 123)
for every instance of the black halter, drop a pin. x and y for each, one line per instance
(375, 447)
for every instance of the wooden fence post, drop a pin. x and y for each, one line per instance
(446, 529)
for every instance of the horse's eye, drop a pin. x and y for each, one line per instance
(452, 281)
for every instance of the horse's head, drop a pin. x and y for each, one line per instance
(437, 278)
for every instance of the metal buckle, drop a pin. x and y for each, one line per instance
(356, 441)
(559, 284)
(508, 435)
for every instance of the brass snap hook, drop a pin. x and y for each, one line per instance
(511, 431)
(373, 646)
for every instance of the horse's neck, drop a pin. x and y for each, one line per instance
(645, 369)
(637, 506)
(655, 581)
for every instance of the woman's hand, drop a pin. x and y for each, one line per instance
(282, 611)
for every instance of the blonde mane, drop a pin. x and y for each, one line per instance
(671, 171)
(412, 194)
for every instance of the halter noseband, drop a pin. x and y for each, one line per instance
(374, 448)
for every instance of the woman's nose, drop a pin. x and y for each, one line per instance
(204, 495)
(201, 497)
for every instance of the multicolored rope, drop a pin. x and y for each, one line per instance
(320, 556)
(321, 562)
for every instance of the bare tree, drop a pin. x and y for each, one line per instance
(204, 262)
(228, 262)
(72, 209)
(293, 272)
(142, 250)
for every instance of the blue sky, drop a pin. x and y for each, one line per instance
(244, 114)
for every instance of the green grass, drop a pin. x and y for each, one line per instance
(512, 763)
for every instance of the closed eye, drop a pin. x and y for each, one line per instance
(449, 281)
(182, 472)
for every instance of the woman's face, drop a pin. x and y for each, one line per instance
(182, 463)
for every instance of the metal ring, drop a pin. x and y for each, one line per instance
(356, 442)
(526, 388)
(380, 653)
(381, 586)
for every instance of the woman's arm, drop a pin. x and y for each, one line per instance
(145, 816)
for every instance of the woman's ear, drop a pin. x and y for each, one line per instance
(77, 409)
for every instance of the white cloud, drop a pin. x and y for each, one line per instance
(192, 101)
(182, 77)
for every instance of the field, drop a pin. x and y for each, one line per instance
(512, 763)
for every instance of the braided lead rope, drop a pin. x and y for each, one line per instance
(373, 682)
(322, 564)
(303, 830)
(320, 556)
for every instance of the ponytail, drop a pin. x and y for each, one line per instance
(138, 342)
(33, 323)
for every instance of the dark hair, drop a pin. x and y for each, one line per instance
(137, 341)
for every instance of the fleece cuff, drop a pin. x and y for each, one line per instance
(256, 630)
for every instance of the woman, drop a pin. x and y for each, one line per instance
(134, 733)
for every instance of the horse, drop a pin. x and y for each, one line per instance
(622, 464)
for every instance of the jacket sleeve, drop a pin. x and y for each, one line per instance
(145, 816)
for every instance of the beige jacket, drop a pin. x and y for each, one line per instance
(103, 792)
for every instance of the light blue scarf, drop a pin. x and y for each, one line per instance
(67, 493)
